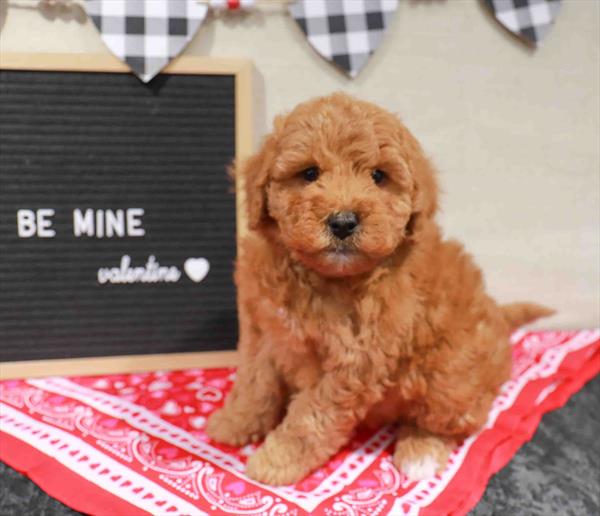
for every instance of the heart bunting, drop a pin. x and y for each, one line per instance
(345, 32)
(146, 34)
(531, 20)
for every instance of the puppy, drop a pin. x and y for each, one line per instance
(353, 309)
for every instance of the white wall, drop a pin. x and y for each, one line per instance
(514, 132)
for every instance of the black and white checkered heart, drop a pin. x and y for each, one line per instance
(146, 34)
(529, 19)
(346, 32)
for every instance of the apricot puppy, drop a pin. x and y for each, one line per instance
(353, 310)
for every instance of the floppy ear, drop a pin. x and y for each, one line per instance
(425, 192)
(255, 174)
(425, 188)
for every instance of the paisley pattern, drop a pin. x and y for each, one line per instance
(141, 437)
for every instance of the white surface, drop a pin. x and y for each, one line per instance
(514, 132)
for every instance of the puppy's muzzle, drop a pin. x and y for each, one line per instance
(342, 224)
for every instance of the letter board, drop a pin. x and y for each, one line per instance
(117, 216)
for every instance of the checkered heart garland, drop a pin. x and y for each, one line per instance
(146, 34)
(528, 19)
(346, 32)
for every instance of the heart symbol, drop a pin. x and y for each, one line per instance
(110, 422)
(197, 421)
(169, 452)
(209, 394)
(196, 268)
(153, 58)
(236, 487)
(101, 384)
(170, 408)
(367, 483)
(159, 385)
(206, 407)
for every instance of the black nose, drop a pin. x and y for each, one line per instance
(343, 224)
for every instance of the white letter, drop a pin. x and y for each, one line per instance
(134, 225)
(125, 262)
(25, 223)
(83, 224)
(116, 277)
(44, 224)
(115, 223)
(102, 274)
(173, 275)
(99, 223)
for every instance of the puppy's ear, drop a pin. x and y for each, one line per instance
(255, 174)
(425, 193)
(424, 196)
(425, 188)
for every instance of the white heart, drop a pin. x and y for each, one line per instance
(197, 421)
(159, 385)
(170, 408)
(196, 268)
(101, 384)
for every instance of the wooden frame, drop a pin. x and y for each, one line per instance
(242, 70)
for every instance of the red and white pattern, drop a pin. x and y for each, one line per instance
(135, 443)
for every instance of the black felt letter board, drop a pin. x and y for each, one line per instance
(117, 219)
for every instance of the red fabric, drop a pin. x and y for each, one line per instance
(60, 482)
(131, 444)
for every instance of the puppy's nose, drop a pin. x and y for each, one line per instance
(343, 224)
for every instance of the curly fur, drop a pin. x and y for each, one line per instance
(391, 324)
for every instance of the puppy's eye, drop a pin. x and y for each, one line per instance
(310, 174)
(378, 176)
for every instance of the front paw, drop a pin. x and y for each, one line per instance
(420, 455)
(278, 462)
(225, 427)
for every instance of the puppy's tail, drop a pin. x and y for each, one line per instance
(518, 314)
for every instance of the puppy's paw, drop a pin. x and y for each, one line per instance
(420, 455)
(419, 468)
(226, 428)
(277, 465)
